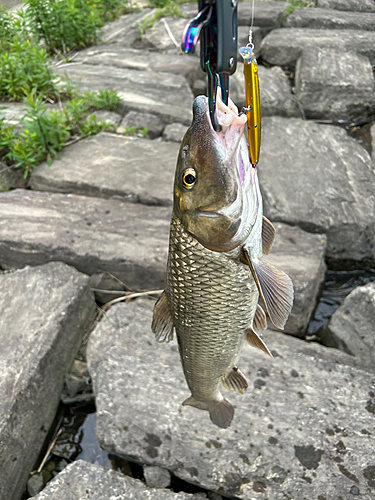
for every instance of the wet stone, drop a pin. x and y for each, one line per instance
(40, 332)
(328, 87)
(94, 235)
(139, 387)
(301, 256)
(351, 326)
(152, 123)
(299, 159)
(330, 19)
(284, 46)
(348, 5)
(275, 92)
(139, 90)
(174, 132)
(84, 480)
(109, 165)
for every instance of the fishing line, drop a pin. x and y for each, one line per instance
(250, 44)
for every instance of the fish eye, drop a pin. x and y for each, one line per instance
(189, 178)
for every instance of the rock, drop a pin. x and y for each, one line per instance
(301, 256)
(107, 283)
(44, 313)
(329, 19)
(114, 55)
(284, 46)
(275, 92)
(156, 477)
(351, 326)
(94, 235)
(243, 38)
(83, 480)
(214, 496)
(108, 165)
(372, 132)
(266, 14)
(158, 37)
(126, 30)
(138, 90)
(142, 120)
(109, 117)
(318, 178)
(84, 399)
(189, 10)
(12, 112)
(35, 484)
(348, 5)
(303, 422)
(174, 132)
(12, 178)
(328, 87)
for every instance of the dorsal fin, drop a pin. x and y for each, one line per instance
(268, 235)
(254, 340)
(235, 381)
(260, 320)
(275, 289)
(162, 323)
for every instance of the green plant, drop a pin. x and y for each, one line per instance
(295, 5)
(146, 24)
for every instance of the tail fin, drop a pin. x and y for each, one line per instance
(221, 412)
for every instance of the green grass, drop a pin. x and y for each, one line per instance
(295, 5)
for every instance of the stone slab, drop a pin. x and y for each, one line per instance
(92, 234)
(110, 165)
(348, 5)
(266, 14)
(275, 92)
(301, 256)
(81, 480)
(127, 58)
(329, 19)
(125, 29)
(138, 90)
(44, 312)
(351, 326)
(158, 37)
(305, 426)
(317, 177)
(284, 46)
(328, 88)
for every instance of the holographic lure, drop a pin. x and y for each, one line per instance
(253, 111)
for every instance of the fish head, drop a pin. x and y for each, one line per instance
(216, 194)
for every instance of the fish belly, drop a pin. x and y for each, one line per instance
(213, 300)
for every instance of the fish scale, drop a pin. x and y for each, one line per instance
(213, 300)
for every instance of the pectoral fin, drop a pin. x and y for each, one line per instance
(268, 235)
(235, 381)
(162, 323)
(254, 340)
(275, 289)
(260, 320)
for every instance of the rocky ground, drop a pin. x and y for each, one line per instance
(97, 220)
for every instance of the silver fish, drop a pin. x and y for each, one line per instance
(216, 270)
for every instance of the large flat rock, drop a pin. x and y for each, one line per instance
(304, 426)
(318, 178)
(328, 87)
(123, 57)
(351, 326)
(81, 480)
(301, 256)
(266, 14)
(109, 165)
(329, 19)
(167, 95)
(126, 30)
(92, 234)
(44, 312)
(159, 38)
(348, 5)
(283, 46)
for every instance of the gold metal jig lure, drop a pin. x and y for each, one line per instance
(253, 111)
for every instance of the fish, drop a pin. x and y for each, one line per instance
(216, 272)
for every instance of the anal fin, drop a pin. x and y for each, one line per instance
(275, 289)
(268, 235)
(235, 381)
(162, 323)
(253, 339)
(260, 320)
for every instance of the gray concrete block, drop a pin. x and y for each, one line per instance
(44, 313)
